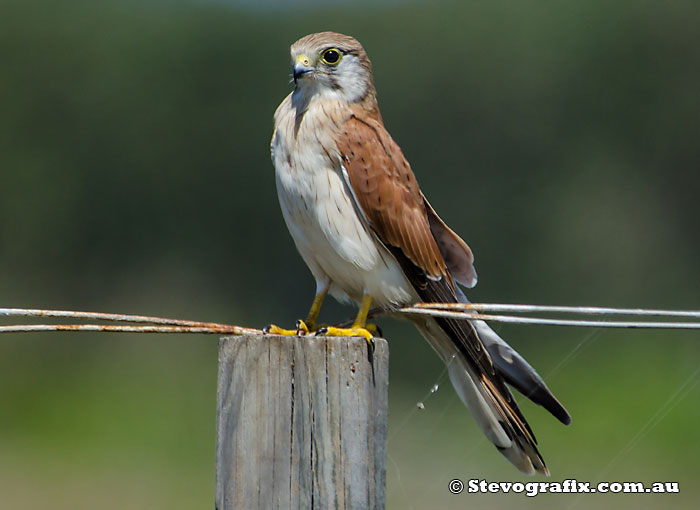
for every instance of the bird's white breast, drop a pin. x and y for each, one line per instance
(320, 212)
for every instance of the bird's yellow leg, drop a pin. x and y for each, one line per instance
(309, 324)
(361, 319)
(358, 327)
(303, 327)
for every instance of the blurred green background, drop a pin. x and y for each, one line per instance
(135, 177)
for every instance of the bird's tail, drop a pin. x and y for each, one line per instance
(480, 363)
(494, 409)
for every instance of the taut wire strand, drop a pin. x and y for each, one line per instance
(581, 310)
(151, 324)
(425, 310)
(461, 311)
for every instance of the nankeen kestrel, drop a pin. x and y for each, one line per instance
(369, 235)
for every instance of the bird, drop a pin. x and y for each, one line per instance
(368, 235)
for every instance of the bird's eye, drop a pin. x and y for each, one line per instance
(331, 56)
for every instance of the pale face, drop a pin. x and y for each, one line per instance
(330, 70)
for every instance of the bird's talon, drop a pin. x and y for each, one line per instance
(370, 354)
(302, 328)
(271, 329)
(347, 332)
(374, 329)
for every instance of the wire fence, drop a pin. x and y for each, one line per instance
(516, 314)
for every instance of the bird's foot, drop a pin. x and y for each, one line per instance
(349, 332)
(374, 329)
(302, 329)
(353, 331)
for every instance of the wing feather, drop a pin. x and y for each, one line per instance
(457, 254)
(388, 193)
(386, 190)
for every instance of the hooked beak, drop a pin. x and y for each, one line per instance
(301, 67)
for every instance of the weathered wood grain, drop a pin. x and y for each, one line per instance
(301, 423)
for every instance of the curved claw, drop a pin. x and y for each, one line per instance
(271, 329)
(374, 329)
(302, 328)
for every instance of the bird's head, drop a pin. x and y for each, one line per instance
(334, 64)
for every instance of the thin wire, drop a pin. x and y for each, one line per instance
(116, 317)
(35, 312)
(428, 488)
(415, 408)
(462, 311)
(676, 397)
(211, 329)
(404, 422)
(585, 341)
(582, 310)
(654, 420)
(413, 310)
(397, 477)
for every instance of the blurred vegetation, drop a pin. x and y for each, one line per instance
(135, 177)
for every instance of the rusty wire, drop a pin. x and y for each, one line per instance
(148, 324)
(461, 311)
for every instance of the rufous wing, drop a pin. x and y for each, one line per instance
(457, 254)
(387, 192)
(388, 196)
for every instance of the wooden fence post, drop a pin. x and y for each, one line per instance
(301, 423)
